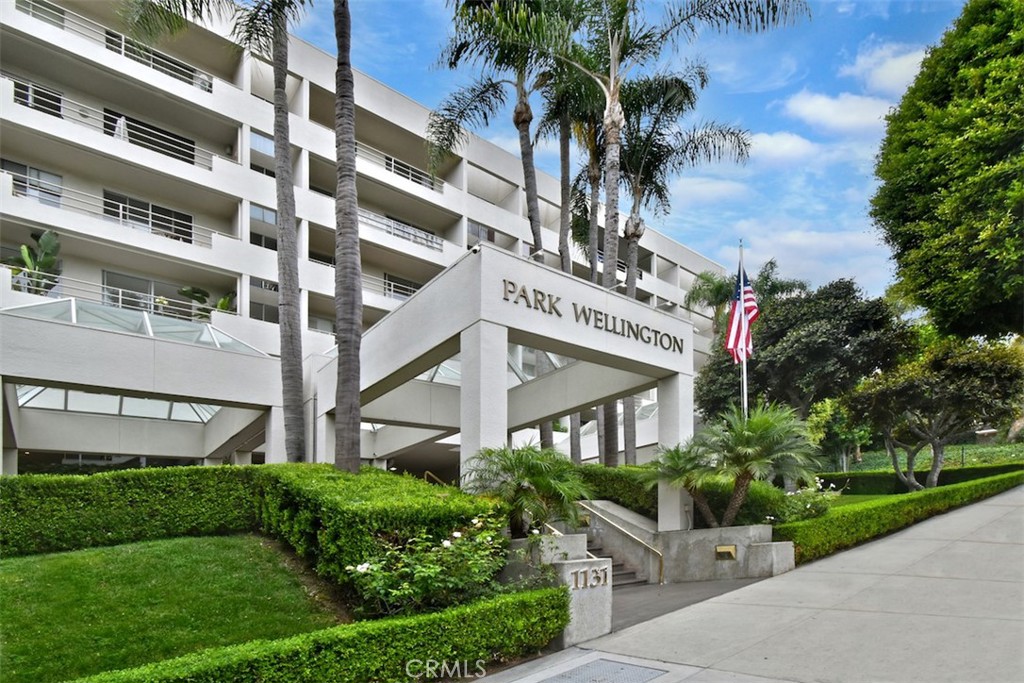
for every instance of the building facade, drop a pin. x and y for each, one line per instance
(154, 165)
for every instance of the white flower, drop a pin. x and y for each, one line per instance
(487, 539)
(349, 568)
(475, 520)
(446, 543)
(457, 534)
(808, 506)
(535, 531)
(363, 568)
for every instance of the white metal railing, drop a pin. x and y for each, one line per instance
(116, 42)
(63, 287)
(399, 167)
(388, 288)
(399, 229)
(133, 217)
(117, 127)
(620, 265)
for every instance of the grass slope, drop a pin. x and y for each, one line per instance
(67, 615)
(956, 456)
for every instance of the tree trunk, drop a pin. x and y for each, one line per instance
(594, 176)
(613, 120)
(629, 430)
(938, 459)
(739, 495)
(565, 192)
(633, 233)
(705, 510)
(610, 457)
(348, 292)
(575, 452)
(522, 116)
(289, 311)
(906, 478)
(599, 418)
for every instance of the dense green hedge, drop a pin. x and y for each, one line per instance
(337, 519)
(885, 482)
(497, 629)
(849, 525)
(621, 485)
(48, 513)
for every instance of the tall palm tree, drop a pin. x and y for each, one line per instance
(772, 441)
(261, 26)
(348, 291)
(711, 290)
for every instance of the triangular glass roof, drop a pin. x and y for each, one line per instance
(72, 400)
(98, 316)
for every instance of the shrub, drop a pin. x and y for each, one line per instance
(623, 486)
(498, 629)
(849, 525)
(42, 513)
(885, 482)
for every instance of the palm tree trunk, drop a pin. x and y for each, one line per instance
(594, 176)
(575, 451)
(348, 292)
(739, 495)
(522, 116)
(629, 402)
(609, 273)
(705, 510)
(564, 214)
(290, 315)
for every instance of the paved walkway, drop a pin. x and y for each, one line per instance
(940, 601)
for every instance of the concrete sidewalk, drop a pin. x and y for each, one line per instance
(940, 601)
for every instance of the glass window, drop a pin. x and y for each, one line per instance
(107, 404)
(40, 98)
(262, 214)
(149, 136)
(32, 182)
(145, 407)
(261, 143)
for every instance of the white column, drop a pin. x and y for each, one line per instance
(9, 464)
(241, 458)
(675, 425)
(483, 414)
(10, 461)
(274, 445)
(324, 438)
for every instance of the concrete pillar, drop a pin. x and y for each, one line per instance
(483, 414)
(274, 445)
(675, 425)
(324, 439)
(10, 461)
(241, 458)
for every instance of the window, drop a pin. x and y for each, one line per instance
(399, 288)
(259, 283)
(479, 233)
(262, 214)
(317, 257)
(140, 294)
(264, 312)
(263, 241)
(149, 136)
(261, 143)
(40, 9)
(32, 182)
(39, 98)
(260, 169)
(318, 324)
(141, 214)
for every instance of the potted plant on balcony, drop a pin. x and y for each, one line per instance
(36, 269)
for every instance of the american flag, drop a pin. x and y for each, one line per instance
(742, 314)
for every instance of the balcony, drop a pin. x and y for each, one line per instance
(401, 230)
(109, 122)
(398, 167)
(144, 217)
(116, 42)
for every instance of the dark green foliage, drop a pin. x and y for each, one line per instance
(763, 500)
(499, 629)
(849, 525)
(622, 485)
(885, 482)
(951, 201)
(48, 513)
(337, 519)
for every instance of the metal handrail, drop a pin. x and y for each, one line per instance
(399, 167)
(116, 42)
(95, 119)
(392, 290)
(556, 532)
(661, 556)
(400, 229)
(58, 196)
(427, 474)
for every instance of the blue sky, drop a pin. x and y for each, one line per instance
(812, 96)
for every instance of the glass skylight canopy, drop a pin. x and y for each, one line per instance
(71, 400)
(98, 316)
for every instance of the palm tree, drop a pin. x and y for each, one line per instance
(348, 291)
(771, 442)
(711, 290)
(538, 485)
(261, 26)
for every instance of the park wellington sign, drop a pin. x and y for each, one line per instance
(546, 303)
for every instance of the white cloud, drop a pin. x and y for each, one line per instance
(692, 191)
(885, 68)
(845, 113)
(781, 148)
(740, 74)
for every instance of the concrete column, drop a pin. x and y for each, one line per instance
(241, 458)
(10, 462)
(324, 439)
(483, 413)
(274, 444)
(675, 425)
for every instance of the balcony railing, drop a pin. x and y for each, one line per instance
(116, 42)
(399, 229)
(399, 167)
(119, 127)
(133, 217)
(392, 290)
(61, 286)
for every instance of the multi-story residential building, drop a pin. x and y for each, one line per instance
(155, 167)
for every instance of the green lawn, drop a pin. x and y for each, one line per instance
(956, 456)
(67, 615)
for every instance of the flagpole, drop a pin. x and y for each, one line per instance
(743, 374)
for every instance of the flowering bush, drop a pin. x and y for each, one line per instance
(424, 573)
(805, 503)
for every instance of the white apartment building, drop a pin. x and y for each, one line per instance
(154, 166)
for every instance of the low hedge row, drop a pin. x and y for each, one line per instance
(621, 485)
(885, 482)
(849, 525)
(50, 513)
(337, 519)
(497, 629)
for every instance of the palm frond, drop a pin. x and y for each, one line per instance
(471, 106)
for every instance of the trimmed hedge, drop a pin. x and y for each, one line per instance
(501, 628)
(885, 482)
(849, 525)
(42, 513)
(621, 485)
(337, 519)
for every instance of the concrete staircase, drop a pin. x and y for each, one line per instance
(621, 576)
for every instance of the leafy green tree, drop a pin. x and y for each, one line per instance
(808, 347)
(771, 442)
(39, 265)
(947, 392)
(538, 485)
(951, 202)
(838, 435)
